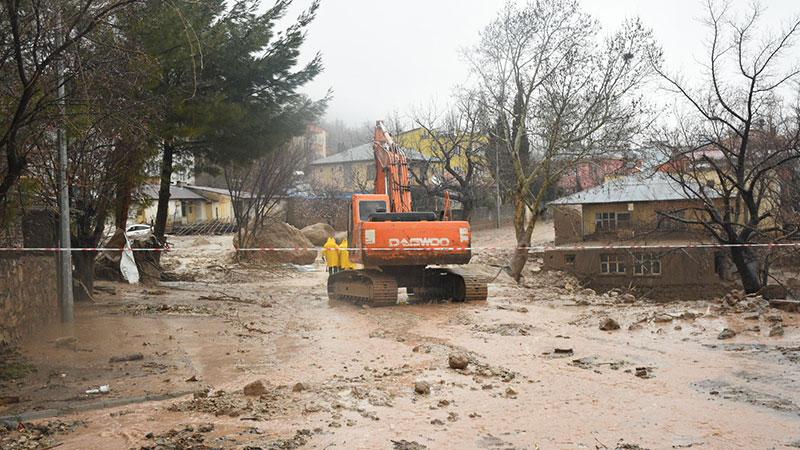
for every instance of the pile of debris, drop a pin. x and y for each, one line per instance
(24, 435)
(294, 246)
(318, 233)
(740, 302)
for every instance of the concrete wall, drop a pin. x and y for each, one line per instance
(685, 273)
(28, 294)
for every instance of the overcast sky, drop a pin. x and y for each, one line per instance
(383, 56)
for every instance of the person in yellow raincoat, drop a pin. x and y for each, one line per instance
(344, 256)
(330, 253)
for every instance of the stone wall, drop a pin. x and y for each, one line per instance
(28, 294)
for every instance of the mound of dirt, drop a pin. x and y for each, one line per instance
(318, 233)
(280, 235)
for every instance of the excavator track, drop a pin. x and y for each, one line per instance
(475, 287)
(363, 287)
(455, 284)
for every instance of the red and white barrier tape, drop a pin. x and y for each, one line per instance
(531, 249)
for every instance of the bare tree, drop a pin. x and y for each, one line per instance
(456, 140)
(736, 146)
(560, 95)
(28, 52)
(257, 188)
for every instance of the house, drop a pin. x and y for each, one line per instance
(627, 233)
(423, 142)
(352, 170)
(596, 171)
(188, 205)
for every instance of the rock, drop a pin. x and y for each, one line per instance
(282, 235)
(422, 388)
(125, 358)
(609, 324)
(727, 333)
(205, 427)
(776, 331)
(68, 342)
(202, 393)
(255, 388)
(588, 292)
(458, 361)
(299, 387)
(643, 372)
(663, 318)
(627, 298)
(408, 445)
(318, 233)
(511, 393)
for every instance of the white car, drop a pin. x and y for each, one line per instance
(139, 231)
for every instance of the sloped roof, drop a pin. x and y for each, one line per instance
(175, 193)
(635, 188)
(220, 191)
(361, 153)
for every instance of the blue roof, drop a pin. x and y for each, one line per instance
(640, 187)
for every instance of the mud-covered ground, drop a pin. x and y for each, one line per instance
(540, 372)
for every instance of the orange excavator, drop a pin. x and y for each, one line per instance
(399, 247)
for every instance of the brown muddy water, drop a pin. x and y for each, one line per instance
(340, 376)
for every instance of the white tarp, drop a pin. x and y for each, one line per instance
(127, 265)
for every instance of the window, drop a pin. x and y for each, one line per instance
(610, 221)
(623, 220)
(369, 207)
(647, 264)
(671, 220)
(569, 259)
(605, 221)
(611, 264)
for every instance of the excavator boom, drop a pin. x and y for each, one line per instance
(391, 170)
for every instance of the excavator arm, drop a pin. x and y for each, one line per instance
(391, 171)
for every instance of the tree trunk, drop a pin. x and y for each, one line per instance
(163, 192)
(467, 207)
(747, 265)
(14, 168)
(84, 275)
(523, 235)
(124, 185)
(518, 260)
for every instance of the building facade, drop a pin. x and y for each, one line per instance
(627, 233)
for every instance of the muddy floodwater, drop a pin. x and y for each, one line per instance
(177, 358)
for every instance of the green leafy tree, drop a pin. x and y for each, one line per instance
(227, 81)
